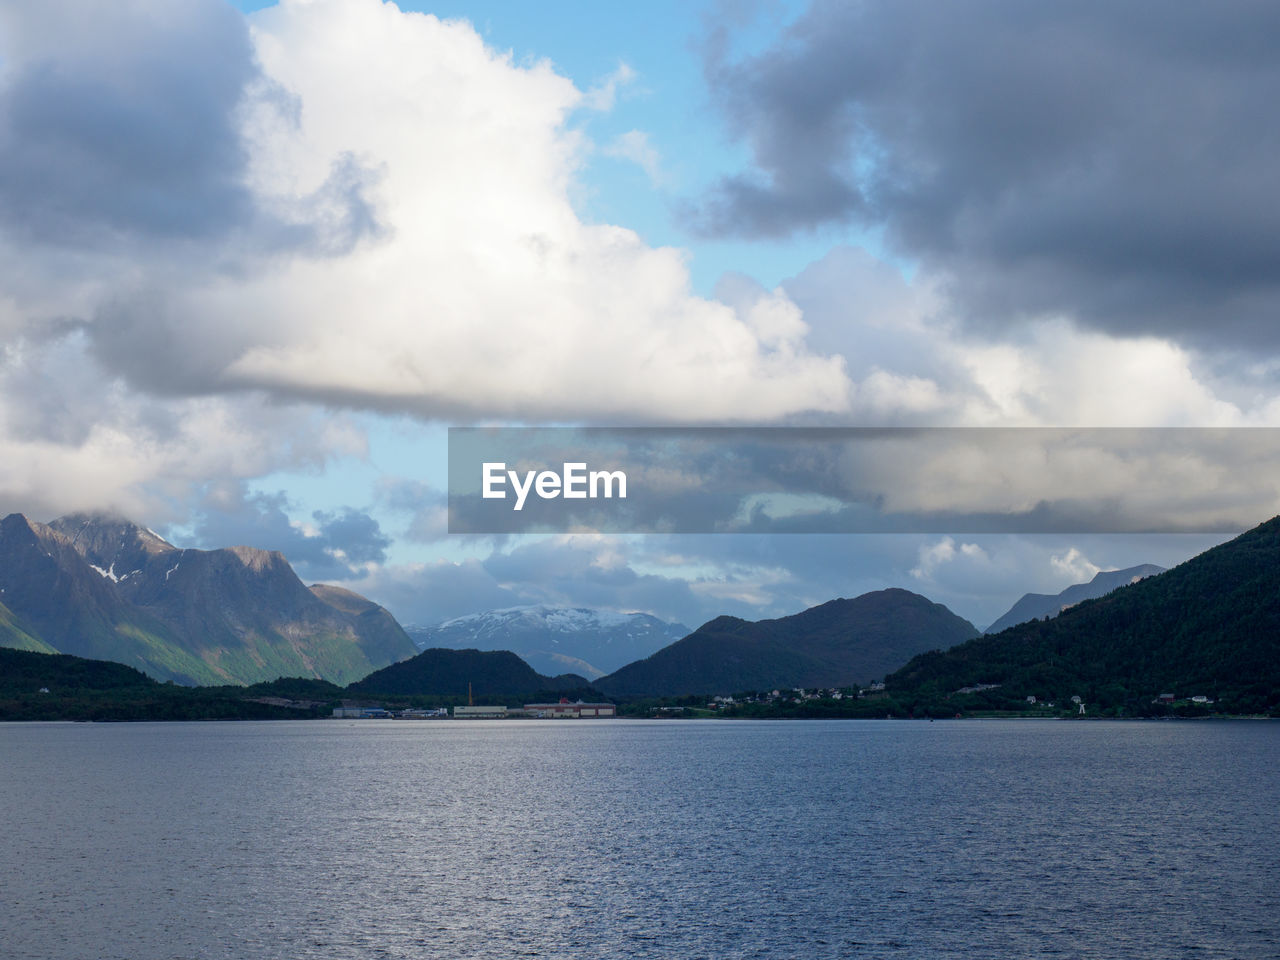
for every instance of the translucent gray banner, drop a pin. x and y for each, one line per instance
(861, 480)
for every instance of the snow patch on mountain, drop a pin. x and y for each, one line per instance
(107, 574)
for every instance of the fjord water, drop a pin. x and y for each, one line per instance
(583, 839)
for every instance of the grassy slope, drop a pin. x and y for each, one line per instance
(16, 636)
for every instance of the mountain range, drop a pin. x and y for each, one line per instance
(1209, 627)
(839, 643)
(103, 588)
(1037, 606)
(99, 586)
(556, 640)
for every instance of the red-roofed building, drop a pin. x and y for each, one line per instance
(565, 710)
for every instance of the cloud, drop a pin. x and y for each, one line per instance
(337, 544)
(1074, 565)
(944, 551)
(912, 362)
(352, 536)
(73, 437)
(428, 593)
(120, 119)
(634, 145)
(218, 233)
(125, 135)
(427, 507)
(375, 214)
(604, 95)
(1110, 163)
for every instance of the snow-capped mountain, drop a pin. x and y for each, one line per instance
(555, 640)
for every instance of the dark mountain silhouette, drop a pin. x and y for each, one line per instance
(840, 643)
(452, 673)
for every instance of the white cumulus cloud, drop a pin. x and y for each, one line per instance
(402, 238)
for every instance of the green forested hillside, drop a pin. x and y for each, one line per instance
(44, 686)
(1210, 627)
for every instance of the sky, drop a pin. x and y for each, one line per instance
(256, 259)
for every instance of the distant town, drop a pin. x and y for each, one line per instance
(562, 710)
(566, 709)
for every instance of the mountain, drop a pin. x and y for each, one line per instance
(556, 639)
(840, 643)
(451, 673)
(116, 548)
(57, 599)
(378, 633)
(1209, 627)
(102, 587)
(1037, 606)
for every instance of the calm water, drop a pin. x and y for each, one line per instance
(676, 839)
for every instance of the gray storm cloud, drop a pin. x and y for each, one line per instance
(1114, 163)
(336, 544)
(118, 120)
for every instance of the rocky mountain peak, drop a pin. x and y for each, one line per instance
(101, 586)
(115, 547)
